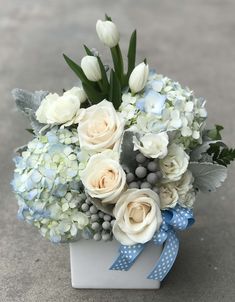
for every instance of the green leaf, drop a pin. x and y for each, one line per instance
(107, 18)
(115, 95)
(93, 95)
(88, 51)
(131, 54)
(214, 134)
(221, 153)
(105, 82)
(77, 70)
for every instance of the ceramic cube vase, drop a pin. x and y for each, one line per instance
(90, 262)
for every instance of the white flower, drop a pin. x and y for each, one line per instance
(152, 145)
(107, 32)
(175, 163)
(91, 68)
(100, 128)
(138, 77)
(138, 216)
(78, 92)
(187, 200)
(104, 177)
(154, 102)
(168, 196)
(61, 110)
(185, 183)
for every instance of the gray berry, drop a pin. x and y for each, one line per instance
(145, 185)
(106, 237)
(152, 178)
(88, 213)
(155, 189)
(141, 172)
(112, 222)
(83, 196)
(134, 185)
(94, 217)
(101, 214)
(152, 166)
(106, 225)
(107, 217)
(140, 158)
(93, 209)
(130, 177)
(85, 207)
(97, 237)
(95, 226)
(88, 201)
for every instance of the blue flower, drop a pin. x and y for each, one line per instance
(152, 102)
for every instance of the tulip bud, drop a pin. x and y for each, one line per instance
(138, 77)
(91, 68)
(108, 33)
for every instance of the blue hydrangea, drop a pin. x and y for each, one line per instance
(47, 185)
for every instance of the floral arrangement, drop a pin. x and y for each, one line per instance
(122, 155)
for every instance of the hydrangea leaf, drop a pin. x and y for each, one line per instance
(207, 176)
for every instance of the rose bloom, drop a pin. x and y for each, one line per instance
(104, 177)
(152, 145)
(100, 128)
(61, 110)
(138, 216)
(175, 163)
(168, 196)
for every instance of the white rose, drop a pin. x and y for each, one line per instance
(138, 216)
(100, 128)
(107, 32)
(61, 110)
(138, 77)
(104, 177)
(152, 145)
(175, 163)
(78, 92)
(168, 196)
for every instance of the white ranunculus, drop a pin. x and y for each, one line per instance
(104, 177)
(78, 92)
(100, 128)
(138, 216)
(91, 68)
(107, 32)
(138, 77)
(152, 145)
(61, 110)
(185, 183)
(168, 196)
(175, 163)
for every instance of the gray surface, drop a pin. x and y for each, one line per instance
(191, 41)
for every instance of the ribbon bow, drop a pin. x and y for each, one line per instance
(178, 218)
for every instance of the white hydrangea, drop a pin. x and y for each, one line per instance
(182, 113)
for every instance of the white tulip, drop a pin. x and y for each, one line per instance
(138, 77)
(107, 32)
(91, 68)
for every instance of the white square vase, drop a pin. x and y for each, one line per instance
(90, 262)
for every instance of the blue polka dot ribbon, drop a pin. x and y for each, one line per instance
(178, 218)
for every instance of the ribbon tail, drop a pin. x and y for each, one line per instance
(167, 258)
(127, 257)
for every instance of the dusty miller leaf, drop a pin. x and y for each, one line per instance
(128, 155)
(26, 100)
(207, 176)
